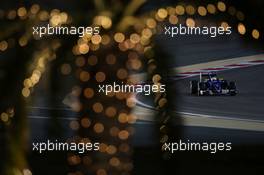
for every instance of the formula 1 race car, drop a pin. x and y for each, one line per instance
(210, 84)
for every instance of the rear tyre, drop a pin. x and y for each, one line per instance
(232, 88)
(193, 87)
(224, 84)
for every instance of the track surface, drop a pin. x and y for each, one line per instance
(188, 50)
(248, 104)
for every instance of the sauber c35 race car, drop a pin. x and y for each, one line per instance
(210, 84)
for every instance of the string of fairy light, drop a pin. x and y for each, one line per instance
(138, 48)
(91, 44)
(40, 58)
(173, 14)
(56, 17)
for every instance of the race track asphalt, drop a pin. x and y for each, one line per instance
(248, 104)
(187, 50)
